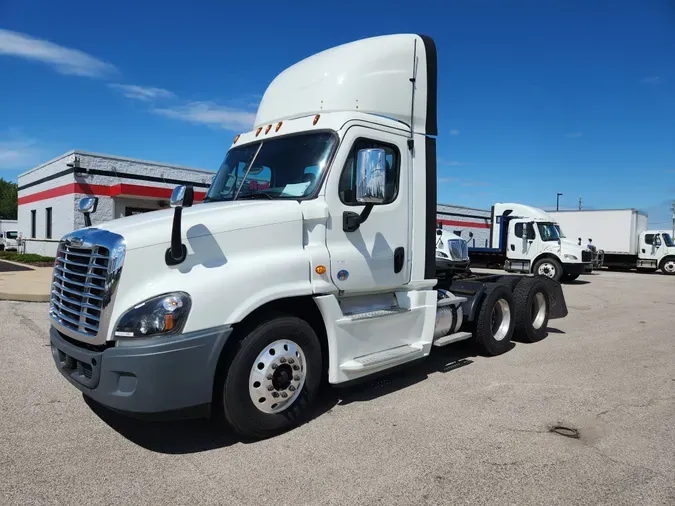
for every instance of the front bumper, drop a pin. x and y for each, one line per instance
(576, 268)
(159, 375)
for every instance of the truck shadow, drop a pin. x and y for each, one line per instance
(200, 435)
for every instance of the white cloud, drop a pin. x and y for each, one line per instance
(62, 59)
(574, 135)
(144, 93)
(18, 153)
(454, 131)
(650, 80)
(209, 113)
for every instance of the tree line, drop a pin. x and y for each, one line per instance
(8, 199)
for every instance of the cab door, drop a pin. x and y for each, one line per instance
(651, 247)
(522, 242)
(376, 255)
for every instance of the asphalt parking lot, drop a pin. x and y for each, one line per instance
(456, 429)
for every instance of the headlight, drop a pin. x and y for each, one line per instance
(571, 257)
(163, 315)
(441, 254)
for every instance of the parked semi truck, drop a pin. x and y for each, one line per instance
(188, 309)
(624, 238)
(526, 239)
(452, 253)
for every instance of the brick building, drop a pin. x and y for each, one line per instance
(49, 194)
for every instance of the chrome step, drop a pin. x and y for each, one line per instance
(452, 338)
(378, 313)
(392, 355)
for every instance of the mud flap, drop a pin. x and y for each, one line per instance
(556, 298)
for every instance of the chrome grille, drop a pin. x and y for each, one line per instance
(79, 286)
(458, 249)
(586, 255)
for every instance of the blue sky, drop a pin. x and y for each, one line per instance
(535, 97)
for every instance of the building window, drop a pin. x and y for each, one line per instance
(33, 220)
(48, 223)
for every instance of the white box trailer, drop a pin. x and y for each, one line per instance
(624, 237)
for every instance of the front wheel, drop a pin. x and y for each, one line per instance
(668, 266)
(549, 267)
(273, 379)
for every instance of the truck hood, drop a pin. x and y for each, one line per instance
(152, 228)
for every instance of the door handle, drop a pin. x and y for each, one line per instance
(513, 247)
(399, 256)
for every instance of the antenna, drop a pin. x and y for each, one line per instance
(413, 80)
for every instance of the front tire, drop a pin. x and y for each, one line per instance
(668, 266)
(495, 321)
(273, 379)
(549, 267)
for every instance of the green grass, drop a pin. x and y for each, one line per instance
(27, 258)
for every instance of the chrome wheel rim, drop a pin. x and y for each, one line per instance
(277, 376)
(538, 310)
(547, 269)
(500, 320)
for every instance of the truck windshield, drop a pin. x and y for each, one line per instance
(560, 232)
(11, 235)
(667, 240)
(282, 168)
(548, 231)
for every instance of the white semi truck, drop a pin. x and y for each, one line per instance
(318, 266)
(526, 239)
(624, 237)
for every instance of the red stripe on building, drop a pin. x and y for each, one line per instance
(474, 224)
(123, 190)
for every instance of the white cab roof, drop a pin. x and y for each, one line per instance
(369, 76)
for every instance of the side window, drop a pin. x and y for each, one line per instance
(649, 238)
(347, 186)
(519, 230)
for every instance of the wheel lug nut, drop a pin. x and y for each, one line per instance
(270, 388)
(282, 360)
(284, 394)
(290, 360)
(274, 366)
(296, 377)
(275, 394)
(291, 388)
(269, 376)
(296, 367)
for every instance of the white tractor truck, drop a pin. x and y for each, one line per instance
(317, 267)
(526, 239)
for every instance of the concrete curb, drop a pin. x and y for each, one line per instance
(24, 297)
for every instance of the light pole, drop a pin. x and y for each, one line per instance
(557, 201)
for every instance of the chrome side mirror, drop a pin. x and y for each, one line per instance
(182, 196)
(371, 176)
(86, 206)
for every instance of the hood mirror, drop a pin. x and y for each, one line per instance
(182, 196)
(87, 206)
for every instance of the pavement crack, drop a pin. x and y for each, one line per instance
(27, 322)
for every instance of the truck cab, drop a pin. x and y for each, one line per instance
(311, 259)
(656, 250)
(9, 240)
(526, 239)
(452, 253)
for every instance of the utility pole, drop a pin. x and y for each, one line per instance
(557, 201)
(673, 209)
(579, 203)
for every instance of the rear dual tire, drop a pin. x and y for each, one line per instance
(495, 321)
(532, 310)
